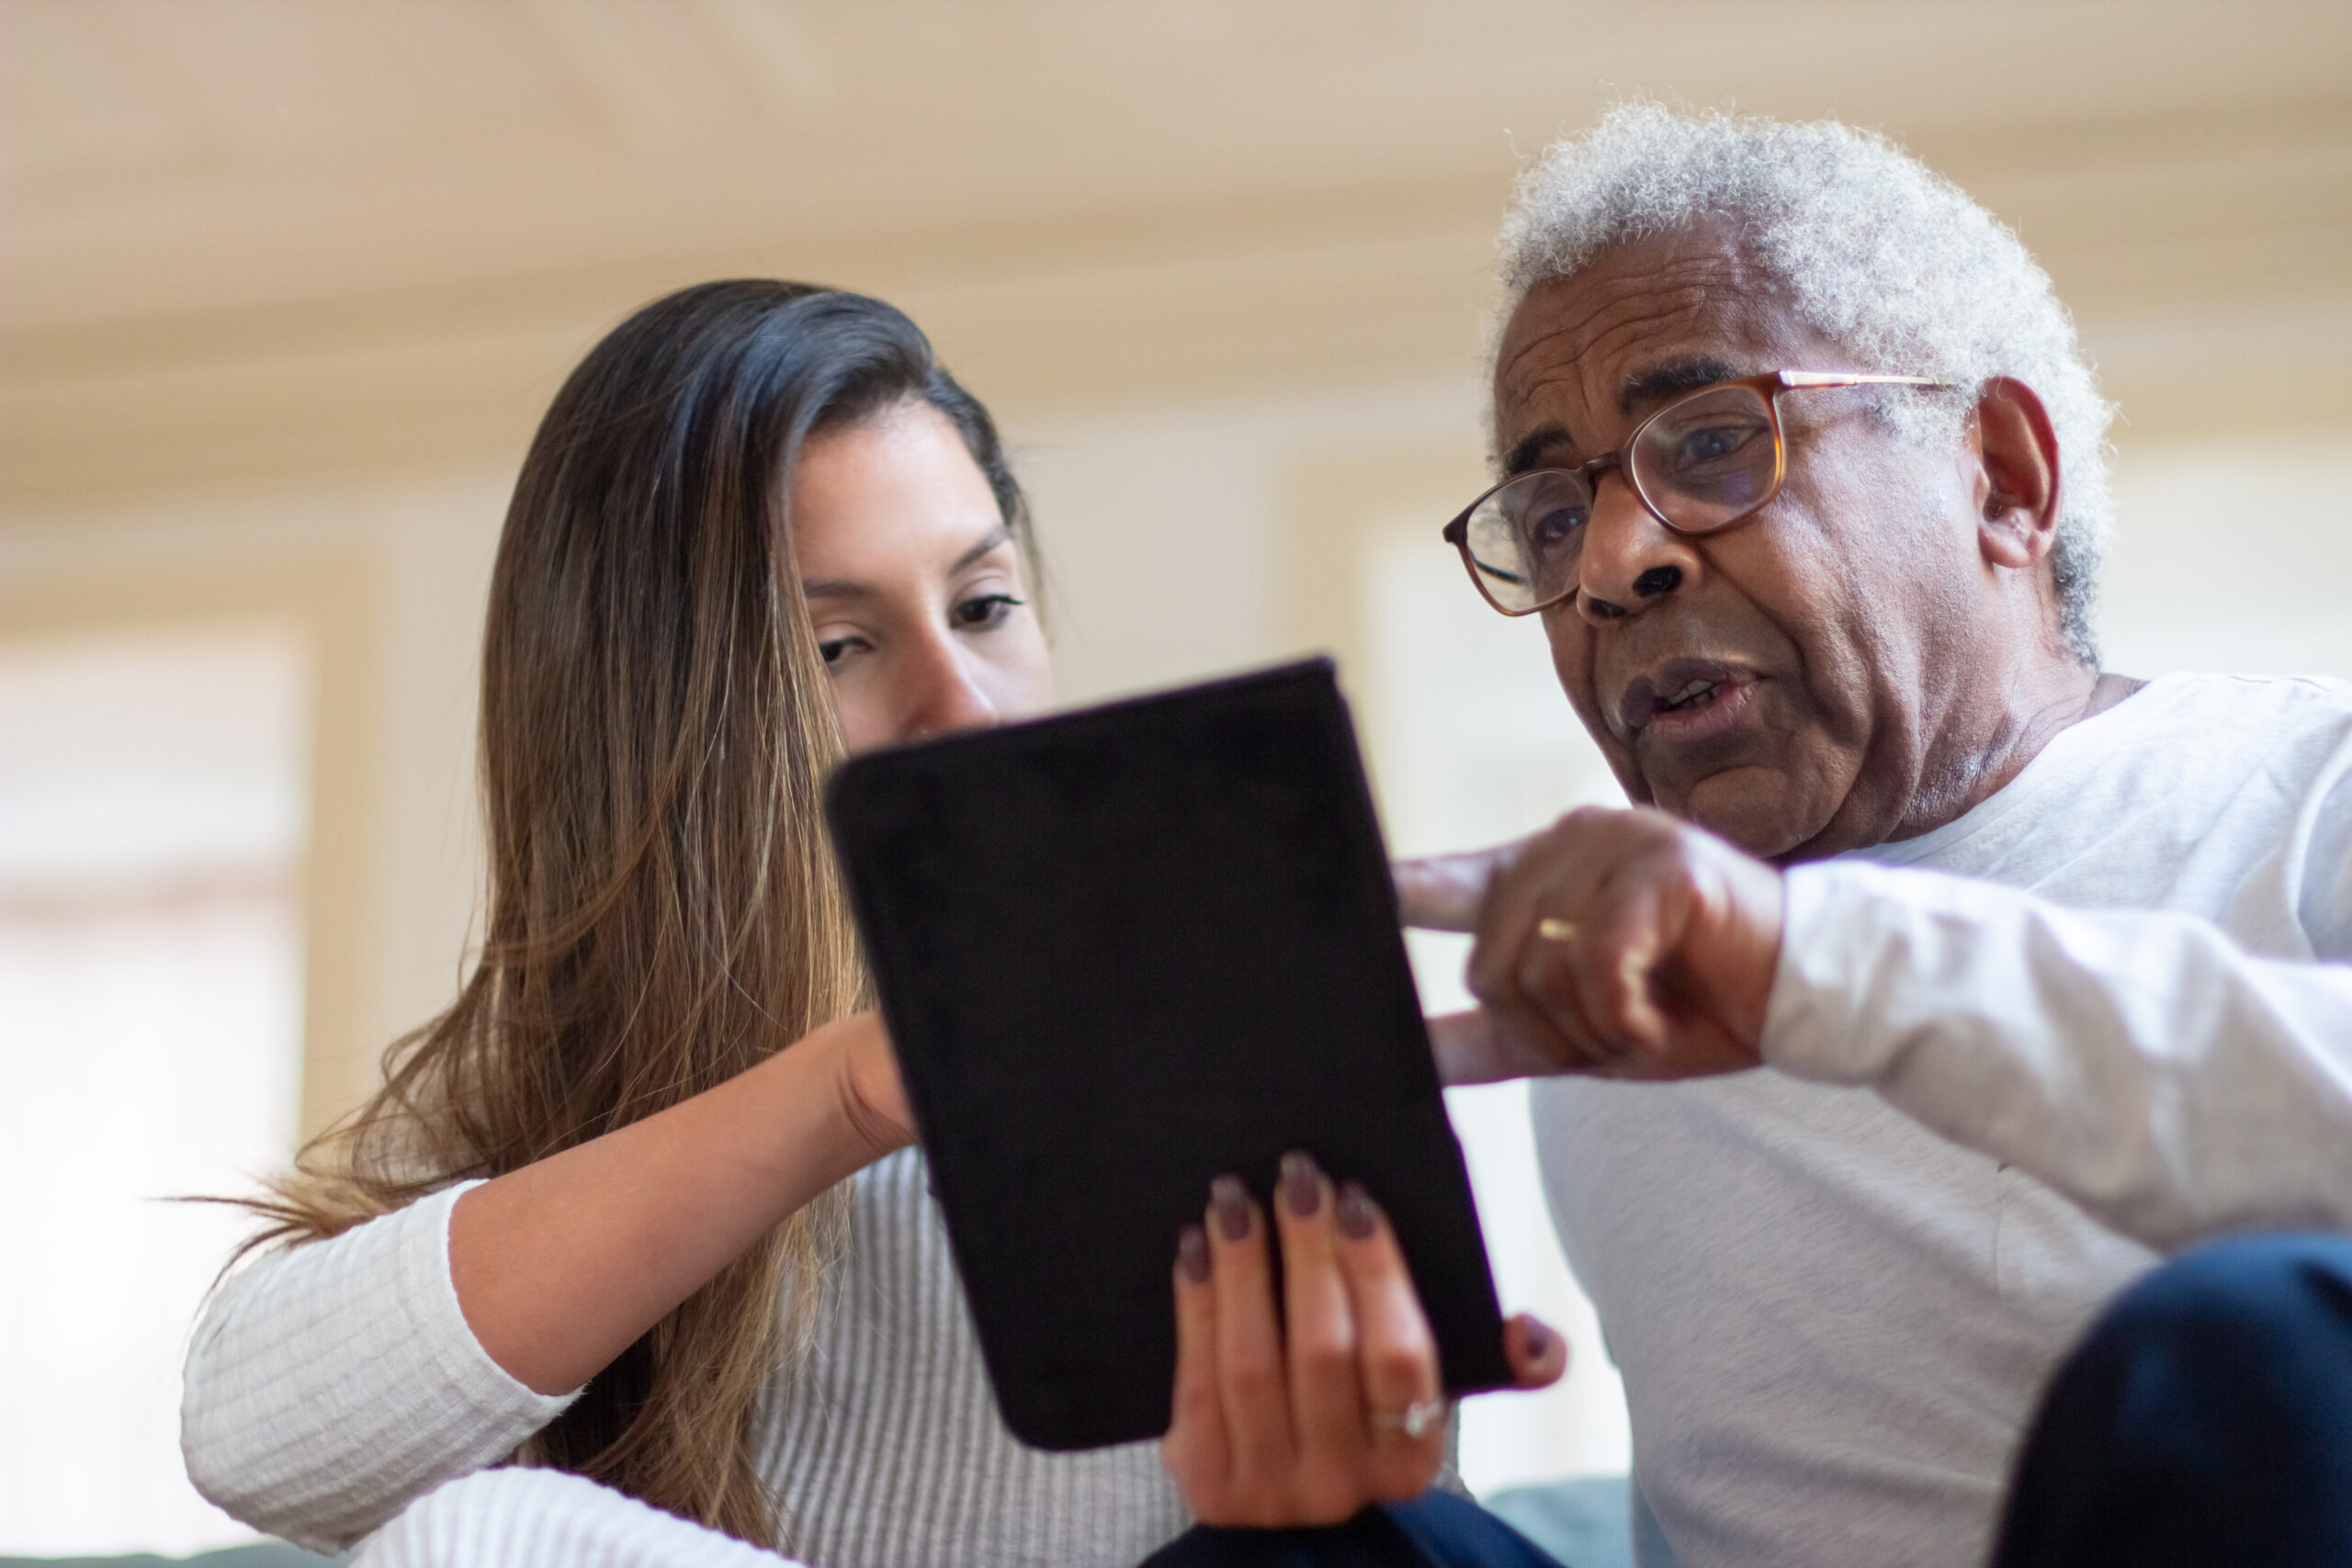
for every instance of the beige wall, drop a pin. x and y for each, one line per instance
(384, 586)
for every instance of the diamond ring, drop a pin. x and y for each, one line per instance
(1414, 1420)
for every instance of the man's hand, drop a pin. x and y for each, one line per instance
(1620, 943)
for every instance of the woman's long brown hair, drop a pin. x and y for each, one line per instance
(657, 725)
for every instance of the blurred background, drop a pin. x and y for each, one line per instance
(287, 283)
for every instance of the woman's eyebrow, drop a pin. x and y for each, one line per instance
(833, 588)
(994, 539)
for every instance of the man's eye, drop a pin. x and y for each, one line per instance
(1712, 444)
(985, 611)
(1552, 527)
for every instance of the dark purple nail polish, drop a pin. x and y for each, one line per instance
(1231, 1201)
(1193, 1253)
(1537, 1339)
(1302, 1186)
(1358, 1215)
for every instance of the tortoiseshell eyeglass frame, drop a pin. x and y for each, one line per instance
(1768, 385)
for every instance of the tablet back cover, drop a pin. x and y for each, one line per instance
(1121, 952)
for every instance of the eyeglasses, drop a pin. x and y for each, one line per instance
(1700, 464)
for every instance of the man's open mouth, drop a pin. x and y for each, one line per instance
(1679, 692)
(1691, 695)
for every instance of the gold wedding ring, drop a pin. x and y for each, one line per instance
(1552, 928)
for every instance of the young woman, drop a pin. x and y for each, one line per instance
(594, 1219)
(594, 1214)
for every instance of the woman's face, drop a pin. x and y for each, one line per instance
(913, 582)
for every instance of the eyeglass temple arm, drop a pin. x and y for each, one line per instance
(1793, 379)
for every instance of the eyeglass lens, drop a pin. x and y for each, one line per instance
(1702, 463)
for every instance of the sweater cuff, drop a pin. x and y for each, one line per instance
(428, 1290)
(334, 1380)
(1834, 927)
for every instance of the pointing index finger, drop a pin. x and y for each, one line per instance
(1444, 893)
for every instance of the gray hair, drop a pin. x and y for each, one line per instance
(1887, 258)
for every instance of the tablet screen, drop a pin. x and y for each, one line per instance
(1122, 952)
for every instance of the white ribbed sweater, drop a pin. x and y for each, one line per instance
(330, 1384)
(546, 1518)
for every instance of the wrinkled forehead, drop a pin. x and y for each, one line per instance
(1583, 355)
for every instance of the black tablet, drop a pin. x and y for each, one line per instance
(1121, 952)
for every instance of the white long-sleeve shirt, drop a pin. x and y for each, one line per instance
(1835, 1289)
(329, 1386)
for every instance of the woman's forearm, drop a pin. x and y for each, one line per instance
(560, 1266)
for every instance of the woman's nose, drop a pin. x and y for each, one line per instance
(1629, 560)
(944, 695)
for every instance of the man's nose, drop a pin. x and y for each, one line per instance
(943, 694)
(1629, 560)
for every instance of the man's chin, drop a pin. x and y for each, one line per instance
(1752, 807)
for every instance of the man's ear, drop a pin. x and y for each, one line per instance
(2017, 475)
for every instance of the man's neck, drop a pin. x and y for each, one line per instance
(2030, 721)
(2111, 689)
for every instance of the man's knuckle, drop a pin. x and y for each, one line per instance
(1583, 819)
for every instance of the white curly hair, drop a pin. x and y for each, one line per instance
(1888, 259)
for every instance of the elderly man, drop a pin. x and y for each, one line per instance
(1802, 469)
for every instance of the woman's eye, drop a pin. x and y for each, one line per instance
(835, 650)
(985, 611)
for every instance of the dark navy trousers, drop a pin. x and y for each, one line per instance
(1437, 1531)
(2206, 1418)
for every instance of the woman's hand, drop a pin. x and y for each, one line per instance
(1306, 1421)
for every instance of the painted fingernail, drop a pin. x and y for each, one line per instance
(1358, 1215)
(1231, 1201)
(1302, 1185)
(1193, 1253)
(1537, 1339)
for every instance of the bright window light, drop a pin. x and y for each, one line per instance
(1475, 745)
(152, 814)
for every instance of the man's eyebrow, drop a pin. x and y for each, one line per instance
(848, 588)
(1540, 447)
(1533, 448)
(1676, 376)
